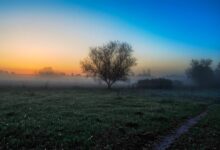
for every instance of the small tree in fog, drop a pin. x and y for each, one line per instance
(201, 72)
(111, 62)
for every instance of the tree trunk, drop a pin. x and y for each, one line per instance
(109, 86)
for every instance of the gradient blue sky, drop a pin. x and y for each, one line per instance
(165, 34)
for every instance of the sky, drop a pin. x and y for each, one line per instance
(165, 34)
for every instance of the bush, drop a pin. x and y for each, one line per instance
(160, 83)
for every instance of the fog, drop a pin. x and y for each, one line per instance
(11, 80)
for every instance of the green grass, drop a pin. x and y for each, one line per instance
(92, 118)
(205, 135)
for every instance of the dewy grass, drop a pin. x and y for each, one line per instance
(205, 135)
(90, 119)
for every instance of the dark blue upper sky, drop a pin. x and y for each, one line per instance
(193, 22)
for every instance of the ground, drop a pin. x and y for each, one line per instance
(205, 135)
(104, 119)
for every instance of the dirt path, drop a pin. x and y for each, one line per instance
(166, 142)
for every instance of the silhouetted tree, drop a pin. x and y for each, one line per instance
(217, 74)
(111, 62)
(201, 72)
(218, 69)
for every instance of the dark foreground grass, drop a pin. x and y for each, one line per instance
(205, 135)
(91, 119)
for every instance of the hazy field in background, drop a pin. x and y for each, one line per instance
(68, 81)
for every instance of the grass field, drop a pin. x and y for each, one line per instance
(205, 135)
(102, 119)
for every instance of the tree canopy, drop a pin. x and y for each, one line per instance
(200, 72)
(217, 73)
(111, 62)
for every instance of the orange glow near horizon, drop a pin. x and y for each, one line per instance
(30, 42)
(33, 71)
(32, 64)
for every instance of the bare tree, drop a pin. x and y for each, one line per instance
(111, 62)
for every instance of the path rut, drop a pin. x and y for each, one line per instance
(166, 142)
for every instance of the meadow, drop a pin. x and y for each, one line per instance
(105, 119)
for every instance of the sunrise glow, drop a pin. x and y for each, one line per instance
(37, 34)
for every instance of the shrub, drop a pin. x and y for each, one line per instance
(159, 83)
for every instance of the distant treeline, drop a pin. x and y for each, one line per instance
(200, 72)
(48, 71)
(203, 74)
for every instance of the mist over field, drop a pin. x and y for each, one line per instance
(109, 74)
(64, 81)
(71, 81)
(36, 81)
